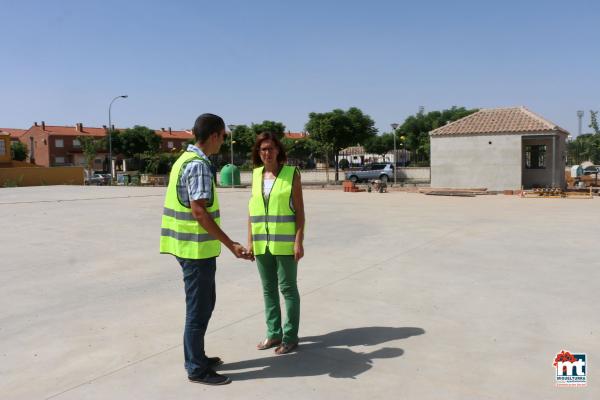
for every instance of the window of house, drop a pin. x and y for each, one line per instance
(2, 148)
(535, 156)
(59, 160)
(170, 145)
(76, 143)
(59, 143)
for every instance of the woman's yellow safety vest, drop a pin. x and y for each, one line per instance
(273, 221)
(181, 234)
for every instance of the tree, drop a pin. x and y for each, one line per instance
(18, 151)
(338, 129)
(585, 148)
(135, 141)
(594, 122)
(380, 144)
(90, 146)
(300, 149)
(416, 128)
(243, 138)
(277, 128)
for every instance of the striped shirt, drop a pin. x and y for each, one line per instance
(196, 180)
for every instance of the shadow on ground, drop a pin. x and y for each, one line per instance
(328, 354)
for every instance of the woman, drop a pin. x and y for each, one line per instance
(275, 237)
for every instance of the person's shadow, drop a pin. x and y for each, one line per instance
(327, 354)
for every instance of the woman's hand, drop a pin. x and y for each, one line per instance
(250, 253)
(298, 251)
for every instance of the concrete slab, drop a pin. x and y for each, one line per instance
(403, 295)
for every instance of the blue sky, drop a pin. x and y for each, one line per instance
(63, 61)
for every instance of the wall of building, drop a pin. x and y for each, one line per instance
(319, 176)
(476, 161)
(41, 176)
(543, 177)
(40, 147)
(5, 155)
(178, 145)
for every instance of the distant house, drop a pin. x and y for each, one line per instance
(58, 145)
(15, 134)
(357, 156)
(174, 140)
(502, 148)
(5, 156)
(296, 135)
(51, 145)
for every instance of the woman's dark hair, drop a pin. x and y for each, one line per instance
(206, 125)
(281, 156)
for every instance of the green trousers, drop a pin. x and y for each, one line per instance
(279, 273)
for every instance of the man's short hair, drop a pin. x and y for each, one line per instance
(206, 125)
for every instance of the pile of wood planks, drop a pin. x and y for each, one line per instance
(471, 192)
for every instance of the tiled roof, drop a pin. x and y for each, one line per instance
(296, 135)
(166, 134)
(54, 130)
(498, 120)
(15, 133)
(59, 130)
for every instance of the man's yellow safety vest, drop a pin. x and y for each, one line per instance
(273, 221)
(181, 234)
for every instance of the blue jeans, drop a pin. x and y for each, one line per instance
(200, 298)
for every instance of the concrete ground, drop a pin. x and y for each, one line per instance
(403, 296)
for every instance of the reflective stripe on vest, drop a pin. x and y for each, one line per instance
(273, 218)
(273, 222)
(181, 234)
(186, 216)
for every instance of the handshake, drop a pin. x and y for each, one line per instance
(241, 252)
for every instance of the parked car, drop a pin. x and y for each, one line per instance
(592, 170)
(381, 171)
(97, 179)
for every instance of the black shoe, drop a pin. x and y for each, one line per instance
(214, 362)
(210, 377)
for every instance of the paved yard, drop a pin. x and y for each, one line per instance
(403, 296)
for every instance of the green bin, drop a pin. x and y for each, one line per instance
(229, 172)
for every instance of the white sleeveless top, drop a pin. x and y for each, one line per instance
(268, 186)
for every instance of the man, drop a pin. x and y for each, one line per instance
(191, 232)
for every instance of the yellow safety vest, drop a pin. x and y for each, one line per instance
(181, 234)
(273, 221)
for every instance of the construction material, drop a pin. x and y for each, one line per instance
(454, 192)
(377, 186)
(449, 193)
(556, 193)
(351, 187)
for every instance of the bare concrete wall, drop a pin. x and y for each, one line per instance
(41, 176)
(419, 174)
(476, 161)
(555, 163)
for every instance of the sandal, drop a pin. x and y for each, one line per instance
(268, 343)
(284, 348)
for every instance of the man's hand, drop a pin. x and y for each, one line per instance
(240, 251)
(298, 251)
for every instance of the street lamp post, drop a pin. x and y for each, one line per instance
(231, 128)
(394, 127)
(579, 117)
(403, 156)
(110, 137)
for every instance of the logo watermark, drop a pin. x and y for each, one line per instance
(571, 369)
